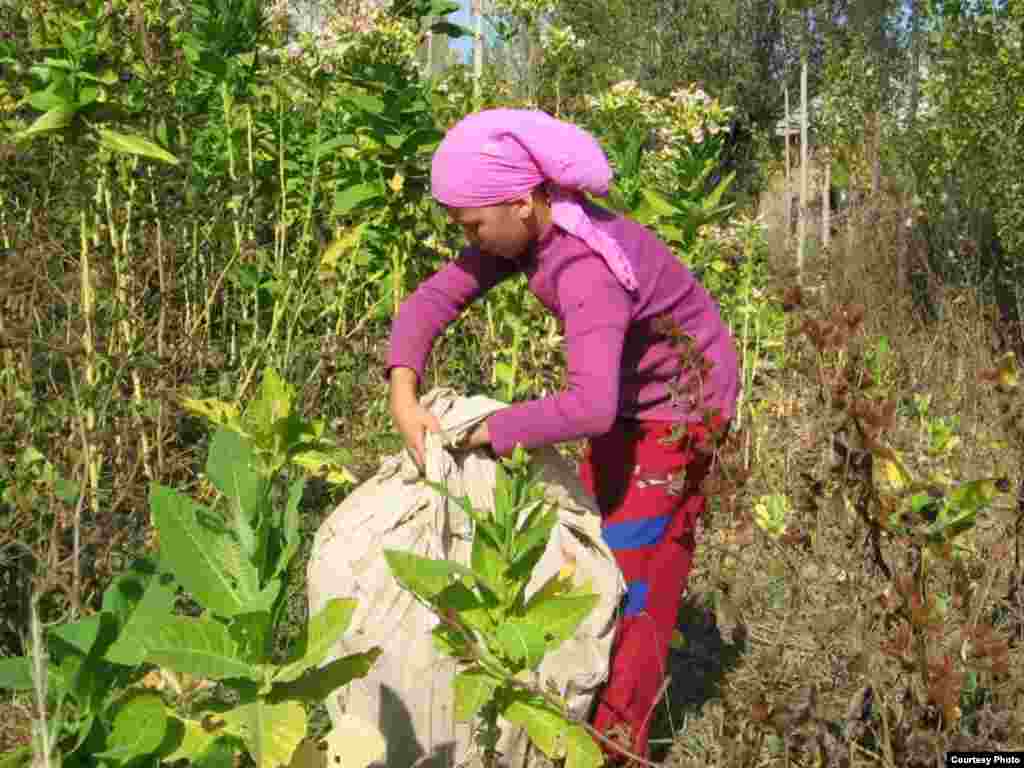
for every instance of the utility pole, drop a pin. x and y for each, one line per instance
(802, 221)
(478, 50)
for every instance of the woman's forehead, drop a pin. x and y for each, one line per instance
(469, 215)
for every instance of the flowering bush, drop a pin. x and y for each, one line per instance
(681, 135)
(453, 94)
(356, 35)
(731, 261)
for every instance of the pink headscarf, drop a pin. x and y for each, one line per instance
(498, 155)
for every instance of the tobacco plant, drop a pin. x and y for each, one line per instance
(499, 635)
(144, 678)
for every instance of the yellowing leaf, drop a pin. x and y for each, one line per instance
(770, 514)
(130, 144)
(217, 411)
(320, 463)
(271, 732)
(346, 242)
(397, 183)
(890, 474)
(1009, 376)
(195, 741)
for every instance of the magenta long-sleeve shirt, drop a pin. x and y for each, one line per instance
(619, 365)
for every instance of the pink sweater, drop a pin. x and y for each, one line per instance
(619, 366)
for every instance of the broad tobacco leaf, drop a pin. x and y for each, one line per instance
(322, 633)
(219, 412)
(473, 689)
(560, 617)
(16, 674)
(552, 734)
(198, 647)
(139, 729)
(201, 551)
(522, 641)
(157, 603)
(231, 467)
(316, 684)
(423, 576)
(271, 732)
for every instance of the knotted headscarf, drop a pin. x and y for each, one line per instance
(499, 155)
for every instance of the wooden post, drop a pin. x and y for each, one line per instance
(802, 220)
(787, 195)
(902, 244)
(430, 48)
(826, 202)
(478, 50)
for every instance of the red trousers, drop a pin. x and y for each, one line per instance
(651, 534)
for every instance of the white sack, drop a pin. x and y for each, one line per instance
(408, 693)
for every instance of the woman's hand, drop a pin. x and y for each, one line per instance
(412, 421)
(479, 437)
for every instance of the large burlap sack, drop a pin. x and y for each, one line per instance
(408, 693)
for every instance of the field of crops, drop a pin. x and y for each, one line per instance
(207, 224)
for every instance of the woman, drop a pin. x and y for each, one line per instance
(513, 179)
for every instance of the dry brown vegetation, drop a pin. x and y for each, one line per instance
(809, 649)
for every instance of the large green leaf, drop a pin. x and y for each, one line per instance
(351, 197)
(322, 633)
(657, 203)
(471, 610)
(194, 741)
(156, 605)
(125, 592)
(16, 674)
(522, 641)
(197, 647)
(473, 689)
(274, 403)
(581, 751)
(289, 532)
(451, 30)
(271, 732)
(53, 120)
(317, 684)
(200, 551)
(423, 576)
(560, 616)
(80, 635)
(139, 729)
(711, 201)
(130, 144)
(18, 758)
(231, 467)
(546, 728)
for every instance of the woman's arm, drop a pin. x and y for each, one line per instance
(438, 301)
(596, 313)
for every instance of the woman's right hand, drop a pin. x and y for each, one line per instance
(413, 421)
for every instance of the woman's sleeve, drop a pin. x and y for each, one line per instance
(437, 302)
(596, 314)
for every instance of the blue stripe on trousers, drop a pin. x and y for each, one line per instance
(632, 534)
(636, 598)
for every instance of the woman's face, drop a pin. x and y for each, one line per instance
(504, 230)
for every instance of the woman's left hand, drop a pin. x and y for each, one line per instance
(478, 438)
